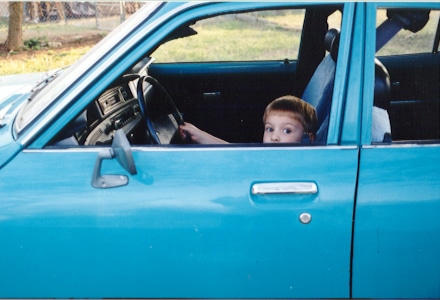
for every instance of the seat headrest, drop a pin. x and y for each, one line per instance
(331, 42)
(411, 19)
(382, 86)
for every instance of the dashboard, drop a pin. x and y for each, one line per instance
(116, 108)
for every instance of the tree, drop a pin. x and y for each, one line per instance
(15, 34)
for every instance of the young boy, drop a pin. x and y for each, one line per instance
(285, 119)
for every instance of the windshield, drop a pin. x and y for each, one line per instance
(40, 101)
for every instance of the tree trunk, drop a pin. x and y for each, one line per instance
(34, 12)
(15, 34)
(60, 11)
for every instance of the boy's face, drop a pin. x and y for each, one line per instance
(282, 128)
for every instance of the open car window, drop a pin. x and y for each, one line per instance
(408, 42)
(411, 60)
(263, 35)
(253, 36)
(220, 72)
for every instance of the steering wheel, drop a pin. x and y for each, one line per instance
(161, 128)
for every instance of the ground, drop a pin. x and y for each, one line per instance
(60, 45)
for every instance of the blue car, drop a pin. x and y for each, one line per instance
(101, 196)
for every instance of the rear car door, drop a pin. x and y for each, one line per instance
(397, 225)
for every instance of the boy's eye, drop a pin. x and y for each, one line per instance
(269, 129)
(287, 130)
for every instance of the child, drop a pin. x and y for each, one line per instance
(285, 119)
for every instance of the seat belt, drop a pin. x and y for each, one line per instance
(409, 19)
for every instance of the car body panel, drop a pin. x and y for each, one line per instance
(172, 231)
(397, 230)
(13, 84)
(187, 224)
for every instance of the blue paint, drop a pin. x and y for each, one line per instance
(187, 224)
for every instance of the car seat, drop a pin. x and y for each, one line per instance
(319, 92)
(380, 124)
(397, 19)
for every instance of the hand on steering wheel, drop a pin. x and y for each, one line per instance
(163, 122)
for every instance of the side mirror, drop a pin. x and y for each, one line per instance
(122, 152)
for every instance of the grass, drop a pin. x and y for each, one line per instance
(56, 29)
(40, 61)
(228, 38)
(235, 38)
(223, 43)
(53, 45)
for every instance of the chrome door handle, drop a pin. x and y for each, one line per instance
(284, 188)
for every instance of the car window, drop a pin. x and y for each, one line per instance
(261, 35)
(412, 101)
(407, 42)
(255, 59)
(265, 35)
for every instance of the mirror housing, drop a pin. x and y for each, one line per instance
(122, 152)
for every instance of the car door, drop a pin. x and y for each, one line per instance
(397, 225)
(187, 225)
(235, 221)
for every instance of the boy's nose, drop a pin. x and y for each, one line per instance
(275, 138)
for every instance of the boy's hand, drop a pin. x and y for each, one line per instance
(198, 136)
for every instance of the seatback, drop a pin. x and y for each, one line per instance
(381, 125)
(319, 90)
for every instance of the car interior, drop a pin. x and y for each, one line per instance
(227, 99)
